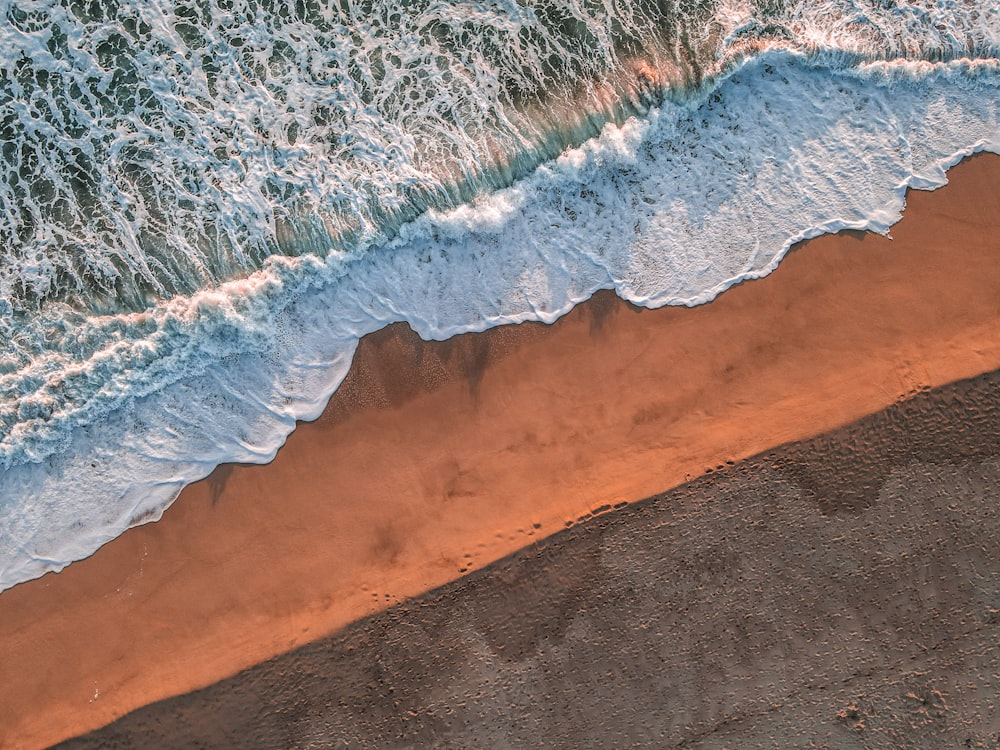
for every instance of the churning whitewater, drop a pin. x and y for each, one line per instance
(204, 205)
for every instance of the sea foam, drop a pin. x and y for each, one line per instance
(670, 208)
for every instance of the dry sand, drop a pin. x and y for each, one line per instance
(435, 459)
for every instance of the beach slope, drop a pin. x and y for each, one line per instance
(436, 459)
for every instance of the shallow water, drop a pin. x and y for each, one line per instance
(205, 206)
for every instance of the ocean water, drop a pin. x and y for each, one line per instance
(204, 205)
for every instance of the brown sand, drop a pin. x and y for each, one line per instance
(439, 458)
(840, 592)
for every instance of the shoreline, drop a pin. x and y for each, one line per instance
(437, 458)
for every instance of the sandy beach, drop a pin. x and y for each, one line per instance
(836, 592)
(436, 459)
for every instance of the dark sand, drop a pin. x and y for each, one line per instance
(837, 592)
(437, 459)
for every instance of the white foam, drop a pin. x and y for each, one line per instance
(668, 209)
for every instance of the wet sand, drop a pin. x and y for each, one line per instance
(436, 459)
